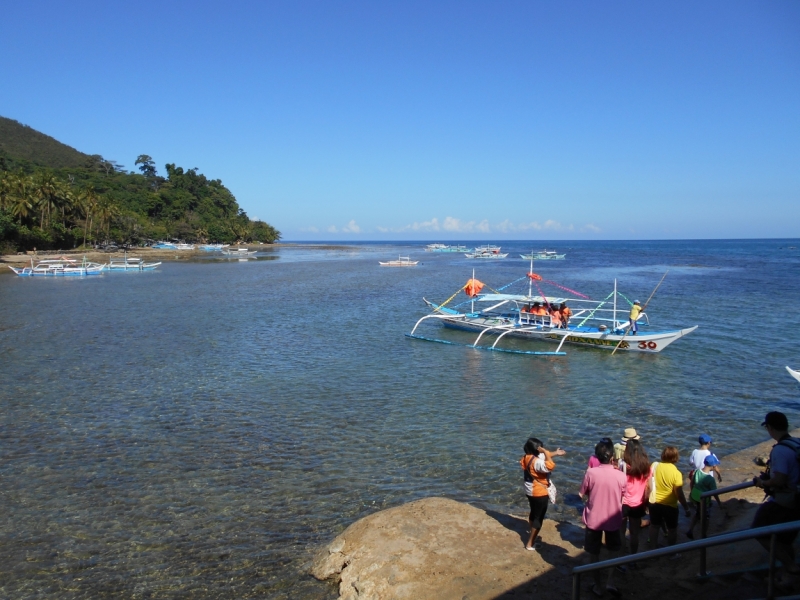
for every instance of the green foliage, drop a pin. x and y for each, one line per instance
(47, 203)
(24, 143)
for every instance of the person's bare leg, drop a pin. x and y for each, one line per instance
(636, 527)
(534, 533)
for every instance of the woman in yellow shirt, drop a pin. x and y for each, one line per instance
(668, 492)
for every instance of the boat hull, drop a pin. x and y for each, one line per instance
(793, 373)
(651, 343)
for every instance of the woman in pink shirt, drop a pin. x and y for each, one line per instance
(634, 500)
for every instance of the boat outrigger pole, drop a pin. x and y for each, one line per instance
(643, 308)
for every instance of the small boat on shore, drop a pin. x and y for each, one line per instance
(172, 246)
(59, 267)
(212, 247)
(130, 263)
(544, 255)
(793, 373)
(402, 261)
(597, 324)
(238, 252)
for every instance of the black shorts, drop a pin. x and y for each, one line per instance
(538, 510)
(661, 513)
(594, 540)
(772, 513)
(634, 512)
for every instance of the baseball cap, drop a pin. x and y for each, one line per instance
(711, 460)
(704, 439)
(776, 420)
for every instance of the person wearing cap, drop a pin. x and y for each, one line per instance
(628, 434)
(703, 481)
(696, 460)
(636, 310)
(780, 484)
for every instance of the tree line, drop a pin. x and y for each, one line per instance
(101, 202)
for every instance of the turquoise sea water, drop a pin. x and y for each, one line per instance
(199, 431)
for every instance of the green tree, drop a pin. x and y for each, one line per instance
(148, 166)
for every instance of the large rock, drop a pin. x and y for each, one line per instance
(439, 548)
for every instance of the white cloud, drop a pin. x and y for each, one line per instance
(351, 227)
(309, 229)
(432, 225)
(332, 229)
(591, 227)
(383, 229)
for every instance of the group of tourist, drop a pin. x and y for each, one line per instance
(559, 315)
(621, 487)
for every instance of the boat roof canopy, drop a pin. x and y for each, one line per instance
(520, 298)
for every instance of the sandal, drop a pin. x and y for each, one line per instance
(594, 591)
(613, 591)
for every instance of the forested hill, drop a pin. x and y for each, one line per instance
(22, 142)
(52, 196)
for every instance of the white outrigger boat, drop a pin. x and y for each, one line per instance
(598, 324)
(486, 252)
(445, 248)
(238, 252)
(63, 267)
(793, 373)
(130, 263)
(402, 261)
(544, 255)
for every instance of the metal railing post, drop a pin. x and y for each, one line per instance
(703, 517)
(576, 586)
(771, 582)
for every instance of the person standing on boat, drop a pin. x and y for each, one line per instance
(537, 464)
(566, 313)
(636, 310)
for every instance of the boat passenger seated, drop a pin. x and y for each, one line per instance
(555, 317)
(538, 309)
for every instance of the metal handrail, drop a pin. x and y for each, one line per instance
(704, 515)
(718, 540)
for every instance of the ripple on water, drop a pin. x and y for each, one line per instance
(198, 431)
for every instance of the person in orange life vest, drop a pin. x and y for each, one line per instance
(566, 313)
(537, 465)
(555, 316)
(636, 310)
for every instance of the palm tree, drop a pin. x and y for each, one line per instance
(87, 204)
(106, 211)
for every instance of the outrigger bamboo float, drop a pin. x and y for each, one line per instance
(598, 324)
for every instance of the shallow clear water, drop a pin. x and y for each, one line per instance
(199, 431)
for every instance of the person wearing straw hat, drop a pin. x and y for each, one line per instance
(628, 434)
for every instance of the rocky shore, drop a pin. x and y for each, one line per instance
(440, 548)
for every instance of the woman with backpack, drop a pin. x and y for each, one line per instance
(536, 466)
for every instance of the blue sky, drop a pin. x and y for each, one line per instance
(436, 120)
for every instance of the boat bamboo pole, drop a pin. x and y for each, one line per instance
(643, 309)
